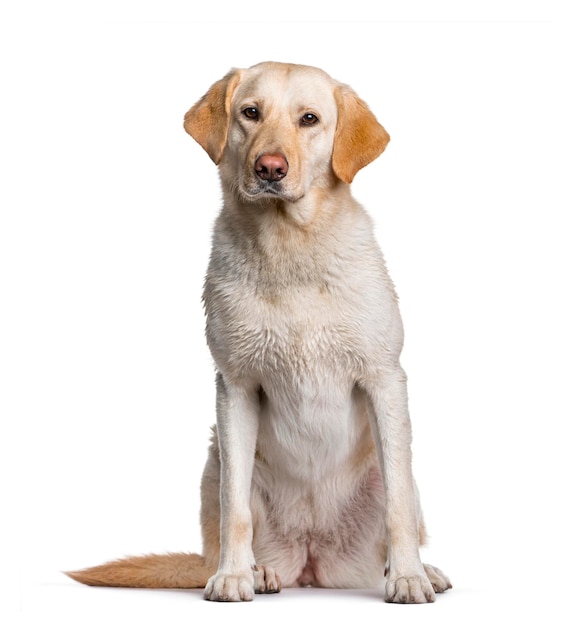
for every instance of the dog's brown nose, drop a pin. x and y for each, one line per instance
(271, 167)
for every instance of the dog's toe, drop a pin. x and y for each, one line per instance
(438, 579)
(266, 580)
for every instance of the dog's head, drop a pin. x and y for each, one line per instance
(278, 129)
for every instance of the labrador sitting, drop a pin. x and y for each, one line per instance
(308, 481)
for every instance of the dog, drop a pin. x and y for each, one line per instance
(308, 480)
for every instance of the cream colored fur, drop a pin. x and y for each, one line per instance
(308, 479)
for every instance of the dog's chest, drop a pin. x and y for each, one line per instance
(299, 336)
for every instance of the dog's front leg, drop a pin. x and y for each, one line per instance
(237, 423)
(406, 580)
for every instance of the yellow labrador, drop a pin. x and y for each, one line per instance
(308, 479)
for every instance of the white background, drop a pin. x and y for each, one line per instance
(106, 386)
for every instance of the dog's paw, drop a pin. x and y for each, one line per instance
(409, 589)
(266, 580)
(439, 580)
(230, 587)
(240, 587)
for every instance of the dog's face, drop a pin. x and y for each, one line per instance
(278, 130)
(281, 131)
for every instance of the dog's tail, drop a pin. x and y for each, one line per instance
(152, 571)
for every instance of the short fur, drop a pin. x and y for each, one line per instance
(308, 479)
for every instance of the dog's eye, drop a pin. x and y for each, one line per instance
(251, 113)
(309, 119)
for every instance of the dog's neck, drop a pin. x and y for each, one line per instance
(294, 243)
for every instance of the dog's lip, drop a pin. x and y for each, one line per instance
(272, 187)
(269, 190)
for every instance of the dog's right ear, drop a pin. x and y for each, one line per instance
(208, 120)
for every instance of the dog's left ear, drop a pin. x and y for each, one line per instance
(208, 120)
(359, 138)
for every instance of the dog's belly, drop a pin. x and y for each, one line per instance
(313, 426)
(314, 446)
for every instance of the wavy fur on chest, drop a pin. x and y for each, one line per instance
(286, 298)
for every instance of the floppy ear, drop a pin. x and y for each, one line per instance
(207, 120)
(359, 138)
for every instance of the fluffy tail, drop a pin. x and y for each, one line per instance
(154, 571)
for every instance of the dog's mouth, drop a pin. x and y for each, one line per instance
(269, 189)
